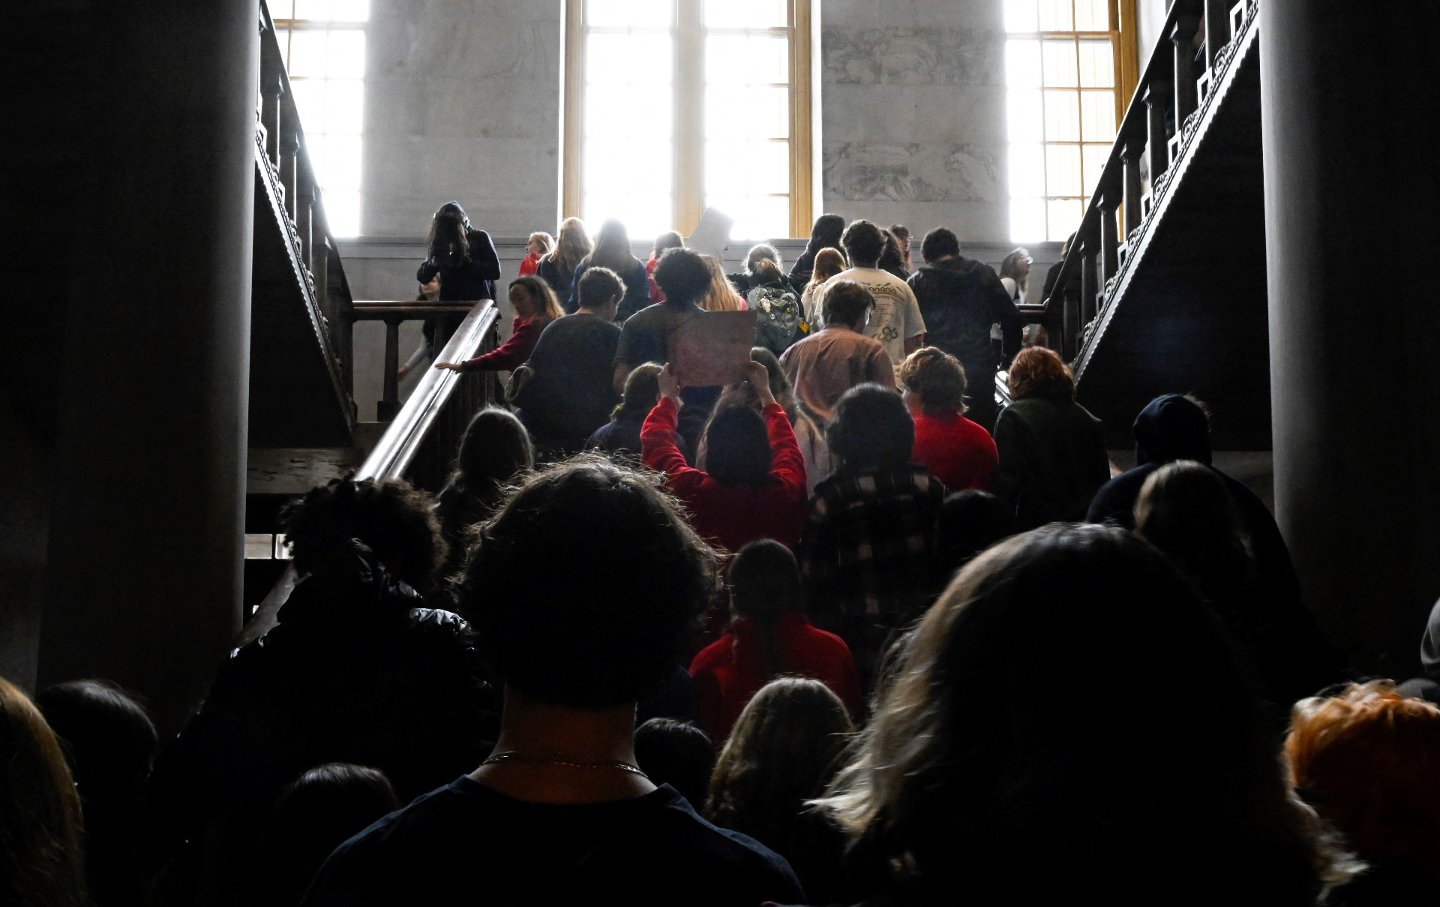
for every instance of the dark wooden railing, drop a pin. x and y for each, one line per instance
(1169, 103)
(284, 158)
(394, 313)
(420, 444)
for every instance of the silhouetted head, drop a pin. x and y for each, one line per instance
(572, 245)
(676, 753)
(108, 739)
(665, 241)
(1367, 760)
(1172, 427)
(863, 243)
(389, 516)
(42, 859)
(871, 430)
(764, 581)
(969, 522)
(642, 390)
(973, 765)
(847, 303)
(936, 379)
(825, 234)
(737, 447)
(828, 263)
(586, 585)
(532, 297)
(683, 276)
(1185, 510)
(448, 240)
(1039, 372)
(598, 289)
(782, 751)
(495, 450)
(612, 246)
(940, 243)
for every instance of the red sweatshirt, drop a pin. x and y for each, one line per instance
(732, 515)
(957, 451)
(730, 670)
(511, 354)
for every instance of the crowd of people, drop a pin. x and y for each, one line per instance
(838, 632)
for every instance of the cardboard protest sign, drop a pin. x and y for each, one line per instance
(712, 348)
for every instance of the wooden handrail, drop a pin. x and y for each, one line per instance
(394, 312)
(287, 153)
(420, 444)
(1153, 128)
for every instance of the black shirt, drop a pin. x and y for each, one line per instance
(571, 392)
(468, 844)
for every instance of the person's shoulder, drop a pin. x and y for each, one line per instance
(379, 862)
(713, 655)
(722, 855)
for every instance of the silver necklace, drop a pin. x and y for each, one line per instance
(512, 756)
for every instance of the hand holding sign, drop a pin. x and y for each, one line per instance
(712, 348)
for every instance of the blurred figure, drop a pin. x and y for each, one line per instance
(495, 452)
(536, 247)
(676, 753)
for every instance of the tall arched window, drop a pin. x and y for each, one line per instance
(1066, 75)
(672, 106)
(323, 45)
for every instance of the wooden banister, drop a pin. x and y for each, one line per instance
(1166, 93)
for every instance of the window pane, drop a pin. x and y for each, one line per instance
(1027, 219)
(752, 59)
(314, 10)
(610, 114)
(342, 211)
(1055, 15)
(745, 14)
(1097, 114)
(1062, 170)
(621, 13)
(1060, 63)
(1097, 66)
(1025, 117)
(309, 97)
(344, 105)
(1092, 15)
(748, 112)
(1095, 157)
(282, 9)
(1020, 16)
(639, 60)
(1064, 217)
(746, 168)
(307, 53)
(1062, 116)
(1027, 171)
(1022, 63)
(756, 217)
(346, 59)
(341, 170)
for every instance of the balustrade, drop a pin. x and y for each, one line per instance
(1152, 135)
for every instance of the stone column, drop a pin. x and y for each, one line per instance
(1350, 113)
(143, 570)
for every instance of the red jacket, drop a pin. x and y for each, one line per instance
(730, 670)
(511, 354)
(730, 516)
(957, 451)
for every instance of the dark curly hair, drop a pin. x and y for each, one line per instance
(587, 584)
(391, 517)
(937, 378)
(871, 430)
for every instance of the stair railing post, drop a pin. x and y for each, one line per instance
(272, 88)
(1217, 29)
(1089, 286)
(1130, 162)
(305, 224)
(289, 162)
(387, 408)
(1109, 240)
(1156, 97)
(1182, 36)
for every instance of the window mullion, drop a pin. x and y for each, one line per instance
(689, 115)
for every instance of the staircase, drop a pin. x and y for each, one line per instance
(303, 424)
(1164, 287)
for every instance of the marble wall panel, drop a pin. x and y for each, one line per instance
(913, 172)
(912, 56)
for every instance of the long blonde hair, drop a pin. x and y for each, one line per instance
(571, 246)
(721, 297)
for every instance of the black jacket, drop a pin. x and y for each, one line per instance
(959, 300)
(357, 670)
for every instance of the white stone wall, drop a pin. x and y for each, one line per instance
(914, 114)
(462, 102)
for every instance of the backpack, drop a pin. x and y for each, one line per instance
(779, 317)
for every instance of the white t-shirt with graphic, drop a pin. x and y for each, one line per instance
(897, 315)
